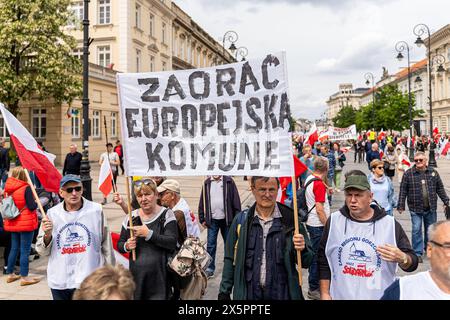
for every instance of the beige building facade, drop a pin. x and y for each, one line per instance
(346, 96)
(128, 36)
(440, 81)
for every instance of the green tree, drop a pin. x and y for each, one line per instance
(345, 117)
(391, 110)
(35, 54)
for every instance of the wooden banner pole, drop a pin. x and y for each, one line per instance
(36, 197)
(299, 257)
(130, 218)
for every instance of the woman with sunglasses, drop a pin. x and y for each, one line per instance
(154, 240)
(382, 187)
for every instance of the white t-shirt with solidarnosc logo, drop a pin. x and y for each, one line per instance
(316, 192)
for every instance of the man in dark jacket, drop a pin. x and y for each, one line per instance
(421, 185)
(361, 247)
(72, 164)
(4, 163)
(222, 203)
(373, 154)
(261, 249)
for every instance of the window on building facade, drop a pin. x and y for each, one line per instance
(104, 11)
(441, 89)
(96, 124)
(138, 60)
(163, 33)
(189, 51)
(152, 25)
(76, 122)
(164, 66)
(174, 44)
(113, 124)
(77, 9)
(198, 57)
(152, 63)
(39, 121)
(103, 55)
(204, 59)
(137, 16)
(78, 52)
(182, 46)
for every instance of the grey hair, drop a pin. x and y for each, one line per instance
(421, 153)
(432, 229)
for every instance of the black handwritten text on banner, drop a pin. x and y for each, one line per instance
(224, 120)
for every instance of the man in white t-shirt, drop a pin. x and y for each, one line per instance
(114, 161)
(76, 237)
(319, 211)
(435, 283)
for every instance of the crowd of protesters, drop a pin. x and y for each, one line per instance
(357, 246)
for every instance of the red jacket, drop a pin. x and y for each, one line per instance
(27, 220)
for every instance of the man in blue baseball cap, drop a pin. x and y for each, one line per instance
(75, 235)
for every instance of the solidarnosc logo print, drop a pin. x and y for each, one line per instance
(359, 257)
(73, 238)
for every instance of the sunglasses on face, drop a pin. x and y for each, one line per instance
(147, 182)
(418, 160)
(380, 168)
(70, 190)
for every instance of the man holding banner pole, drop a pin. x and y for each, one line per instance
(261, 248)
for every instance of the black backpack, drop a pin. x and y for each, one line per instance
(302, 205)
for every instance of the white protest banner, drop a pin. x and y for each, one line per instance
(336, 134)
(225, 120)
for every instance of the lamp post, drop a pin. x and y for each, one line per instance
(242, 51)
(419, 30)
(230, 36)
(370, 78)
(401, 46)
(85, 168)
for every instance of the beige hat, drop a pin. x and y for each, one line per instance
(170, 184)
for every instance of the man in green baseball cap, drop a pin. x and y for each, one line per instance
(361, 247)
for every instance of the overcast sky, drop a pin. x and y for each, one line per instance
(327, 41)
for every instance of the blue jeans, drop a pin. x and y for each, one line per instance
(22, 241)
(62, 294)
(315, 234)
(213, 232)
(428, 217)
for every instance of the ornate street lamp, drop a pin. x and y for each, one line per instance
(232, 37)
(370, 78)
(85, 168)
(242, 51)
(401, 46)
(419, 30)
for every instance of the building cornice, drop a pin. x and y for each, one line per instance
(162, 7)
(439, 35)
(142, 44)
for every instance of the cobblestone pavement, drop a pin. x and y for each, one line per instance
(190, 188)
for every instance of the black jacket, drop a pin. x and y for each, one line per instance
(231, 200)
(4, 159)
(401, 239)
(72, 163)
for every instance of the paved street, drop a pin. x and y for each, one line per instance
(190, 187)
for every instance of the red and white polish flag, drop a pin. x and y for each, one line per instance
(122, 258)
(105, 179)
(30, 153)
